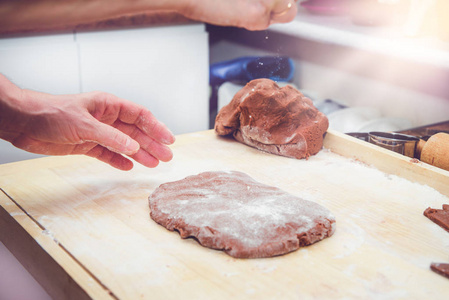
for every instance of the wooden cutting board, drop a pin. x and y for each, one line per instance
(83, 228)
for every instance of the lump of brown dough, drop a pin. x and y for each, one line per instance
(440, 268)
(277, 120)
(439, 216)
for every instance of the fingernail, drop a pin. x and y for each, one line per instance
(131, 146)
(168, 139)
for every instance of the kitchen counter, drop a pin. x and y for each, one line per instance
(18, 18)
(83, 229)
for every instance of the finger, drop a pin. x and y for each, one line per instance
(145, 159)
(285, 11)
(147, 143)
(154, 128)
(143, 156)
(159, 151)
(109, 137)
(135, 114)
(90, 149)
(113, 159)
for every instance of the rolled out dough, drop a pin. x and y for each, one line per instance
(232, 212)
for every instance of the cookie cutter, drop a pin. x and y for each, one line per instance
(401, 143)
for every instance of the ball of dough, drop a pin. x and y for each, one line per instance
(277, 120)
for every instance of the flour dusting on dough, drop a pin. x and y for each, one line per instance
(233, 212)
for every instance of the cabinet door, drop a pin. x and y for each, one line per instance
(43, 63)
(165, 69)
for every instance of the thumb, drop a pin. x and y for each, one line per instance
(112, 138)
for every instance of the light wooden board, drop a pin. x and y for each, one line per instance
(94, 222)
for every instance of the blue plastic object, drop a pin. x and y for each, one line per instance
(245, 69)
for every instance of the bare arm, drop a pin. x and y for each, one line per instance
(249, 14)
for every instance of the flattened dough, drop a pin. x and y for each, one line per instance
(232, 212)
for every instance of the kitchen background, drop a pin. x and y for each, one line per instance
(388, 65)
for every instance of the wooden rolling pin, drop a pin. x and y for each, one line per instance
(435, 151)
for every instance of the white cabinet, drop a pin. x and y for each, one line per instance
(165, 68)
(45, 63)
(161, 68)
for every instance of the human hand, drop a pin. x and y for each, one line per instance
(96, 124)
(249, 14)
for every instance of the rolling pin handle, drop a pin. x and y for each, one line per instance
(436, 151)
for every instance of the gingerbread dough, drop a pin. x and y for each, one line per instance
(232, 212)
(439, 216)
(440, 268)
(277, 120)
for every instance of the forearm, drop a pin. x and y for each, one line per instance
(56, 12)
(249, 14)
(102, 9)
(20, 108)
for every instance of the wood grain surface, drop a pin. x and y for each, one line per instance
(93, 223)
